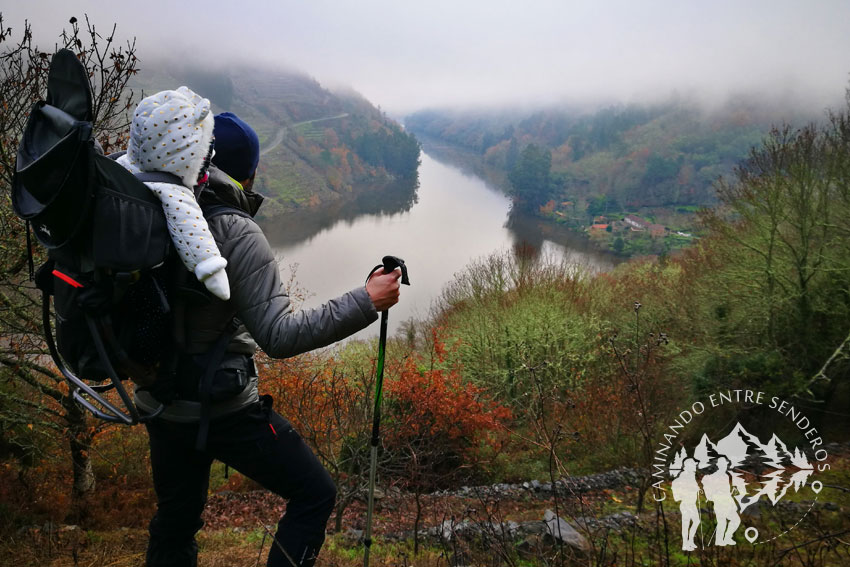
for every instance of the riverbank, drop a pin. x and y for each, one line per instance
(622, 234)
(451, 220)
(288, 227)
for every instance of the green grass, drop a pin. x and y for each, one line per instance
(343, 551)
(310, 132)
(288, 178)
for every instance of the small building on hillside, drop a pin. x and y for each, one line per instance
(636, 223)
(598, 227)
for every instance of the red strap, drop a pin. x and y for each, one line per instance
(67, 279)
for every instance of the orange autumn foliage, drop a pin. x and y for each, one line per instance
(435, 406)
(426, 404)
(319, 400)
(426, 408)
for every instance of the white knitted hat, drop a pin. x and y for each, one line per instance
(171, 132)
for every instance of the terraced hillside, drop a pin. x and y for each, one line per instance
(317, 146)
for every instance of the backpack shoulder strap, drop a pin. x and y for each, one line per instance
(150, 176)
(158, 177)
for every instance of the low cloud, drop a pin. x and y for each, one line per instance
(405, 56)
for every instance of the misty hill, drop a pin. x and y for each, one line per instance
(613, 160)
(317, 146)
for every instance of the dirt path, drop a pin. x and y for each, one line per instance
(343, 115)
(278, 138)
(280, 134)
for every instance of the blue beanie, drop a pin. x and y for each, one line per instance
(237, 147)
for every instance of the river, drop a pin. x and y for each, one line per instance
(452, 218)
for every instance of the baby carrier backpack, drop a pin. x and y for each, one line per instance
(110, 271)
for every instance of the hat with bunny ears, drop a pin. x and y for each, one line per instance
(171, 132)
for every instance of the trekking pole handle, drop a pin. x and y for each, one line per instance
(393, 262)
(390, 263)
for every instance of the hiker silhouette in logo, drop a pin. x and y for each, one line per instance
(718, 489)
(686, 490)
(217, 412)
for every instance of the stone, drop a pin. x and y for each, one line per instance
(559, 529)
(446, 530)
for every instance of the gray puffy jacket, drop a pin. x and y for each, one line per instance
(261, 303)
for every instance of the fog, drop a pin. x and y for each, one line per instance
(405, 55)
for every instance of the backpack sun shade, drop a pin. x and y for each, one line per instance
(103, 229)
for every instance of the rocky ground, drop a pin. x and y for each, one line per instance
(576, 517)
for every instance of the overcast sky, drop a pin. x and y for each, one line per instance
(405, 55)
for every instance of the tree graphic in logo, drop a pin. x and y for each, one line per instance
(718, 473)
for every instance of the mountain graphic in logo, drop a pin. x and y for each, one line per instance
(738, 445)
(741, 447)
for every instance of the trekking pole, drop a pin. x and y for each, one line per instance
(390, 263)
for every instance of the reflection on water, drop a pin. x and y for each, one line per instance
(438, 228)
(289, 230)
(537, 236)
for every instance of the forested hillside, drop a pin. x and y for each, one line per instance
(589, 170)
(317, 146)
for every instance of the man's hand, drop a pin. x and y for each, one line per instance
(383, 288)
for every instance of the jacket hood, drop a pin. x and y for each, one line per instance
(223, 189)
(171, 132)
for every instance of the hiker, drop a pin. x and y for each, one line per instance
(244, 431)
(172, 132)
(721, 493)
(686, 490)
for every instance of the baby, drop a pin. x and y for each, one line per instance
(172, 132)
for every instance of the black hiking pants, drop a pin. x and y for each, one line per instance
(263, 446)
